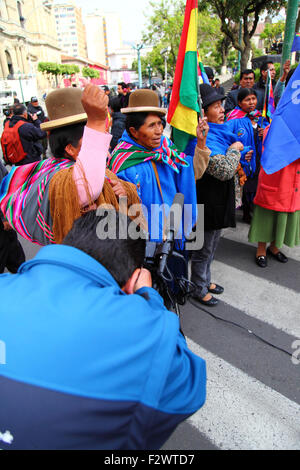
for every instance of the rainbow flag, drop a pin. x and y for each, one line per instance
(296, 43)
(269, 104)
(184, 106)
(201, 72)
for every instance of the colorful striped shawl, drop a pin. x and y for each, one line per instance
(26, 186)
(127, 154)
(237, 113)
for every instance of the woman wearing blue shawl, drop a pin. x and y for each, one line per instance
(248, 125)
(216, 190)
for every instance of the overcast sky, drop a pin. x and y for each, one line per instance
(131, 13)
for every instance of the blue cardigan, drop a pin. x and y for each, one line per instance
(87, 366)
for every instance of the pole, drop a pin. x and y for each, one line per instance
(289, 32)
(21, 88)
(240, 43)
(140, 69)
(166, 70)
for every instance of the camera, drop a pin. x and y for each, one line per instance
(168, 265)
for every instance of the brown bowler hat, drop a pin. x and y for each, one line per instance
(64, 108)
(143, 101)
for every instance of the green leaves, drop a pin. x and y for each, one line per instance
(91, 73)
(58, 69)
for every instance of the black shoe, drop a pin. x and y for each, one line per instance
(209, 303)
(279, 256)
(261, 261)
(217, 290)
(247, 218)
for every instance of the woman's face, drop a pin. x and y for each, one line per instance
(248, 104)
(215, 113)
(149, 134)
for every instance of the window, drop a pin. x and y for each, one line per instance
(21, 17)
(9, 64)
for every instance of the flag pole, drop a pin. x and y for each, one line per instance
(200, 114)
(265, 99)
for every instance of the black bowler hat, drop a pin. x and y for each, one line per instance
(209, 95)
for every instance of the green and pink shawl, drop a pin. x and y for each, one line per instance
(24, 199)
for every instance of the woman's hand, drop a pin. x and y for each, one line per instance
(202, 131)
(260, 132)
(237, 146)
(248, 156)
(118, 188)
(6, 226)
(95, 103)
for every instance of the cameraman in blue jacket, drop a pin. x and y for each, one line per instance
(93, 358)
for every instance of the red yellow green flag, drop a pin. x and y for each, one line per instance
(184, 107)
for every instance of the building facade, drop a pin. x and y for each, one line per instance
(70, 29)
(27, 36)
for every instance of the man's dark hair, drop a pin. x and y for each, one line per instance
(19, 109)
(122, 84)
(247, 72)
(63, 136)
(244, 92)
(121, 257)
(264, 65)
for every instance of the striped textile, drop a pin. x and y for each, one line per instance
(126, 155)
(27, 186)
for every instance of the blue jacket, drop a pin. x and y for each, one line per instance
(87, 366)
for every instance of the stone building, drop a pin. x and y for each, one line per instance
(27, 36)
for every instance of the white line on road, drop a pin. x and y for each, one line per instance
(262, 299)
(241, 413)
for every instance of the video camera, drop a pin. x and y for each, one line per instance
(169, 267)
(7, 111)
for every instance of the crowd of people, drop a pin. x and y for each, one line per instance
(82, 362)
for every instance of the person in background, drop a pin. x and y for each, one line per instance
(264, 68)
(247, 123)
(283, 81)
(210, 75)
(247, 80)
(29, 135)
(218, 87)
(8, 113)
(216, 190)
(34, 108)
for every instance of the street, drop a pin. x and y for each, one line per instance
(251, 343)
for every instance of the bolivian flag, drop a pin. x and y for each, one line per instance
(269, 104)
(183, 109)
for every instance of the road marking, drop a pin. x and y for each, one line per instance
(262, 299)
(242, 413)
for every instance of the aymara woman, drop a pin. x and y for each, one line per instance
(42, 200)
(248, 124)
(216, 190)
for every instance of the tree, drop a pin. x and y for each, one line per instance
(272, 32)
(164, 29)
(88, 72)
(232, 12)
